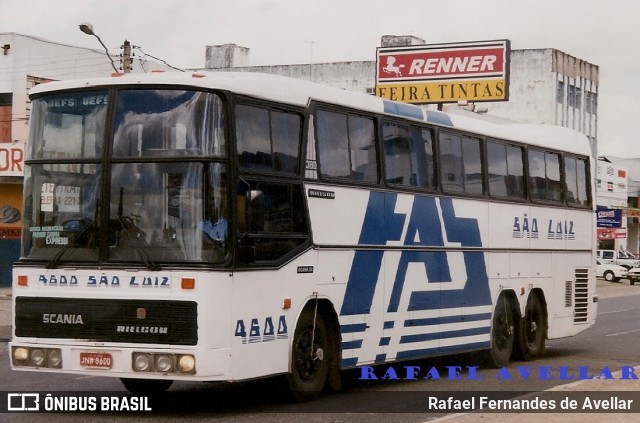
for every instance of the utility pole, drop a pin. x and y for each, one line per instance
(126, 57)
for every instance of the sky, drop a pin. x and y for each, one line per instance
(604, 33)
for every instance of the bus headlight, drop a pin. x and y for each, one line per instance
(141, 362)
(187, 364)
(164, 363)
(54, 358)
(37, 357)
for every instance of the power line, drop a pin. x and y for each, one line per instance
(158, 59)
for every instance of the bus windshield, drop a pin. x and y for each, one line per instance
(160, 171)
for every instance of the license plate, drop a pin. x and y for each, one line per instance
(96, 360)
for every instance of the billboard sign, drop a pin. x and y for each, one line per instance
(12, 158)
(609, 218)
(444, 73)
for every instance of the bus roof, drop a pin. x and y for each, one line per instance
(301, 93)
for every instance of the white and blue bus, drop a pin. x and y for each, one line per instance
(231, 226)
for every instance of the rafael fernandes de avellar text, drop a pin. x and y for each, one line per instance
(533, 373)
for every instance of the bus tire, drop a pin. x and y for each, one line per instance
(146, 386)
(533, 329)
(502, 334)
(310, 356)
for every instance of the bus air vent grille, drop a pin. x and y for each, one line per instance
(581, 295)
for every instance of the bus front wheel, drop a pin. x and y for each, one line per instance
(502, 334)
(310, 356)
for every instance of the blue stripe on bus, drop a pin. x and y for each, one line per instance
(353, 328)
(401, 109)
(366, 266)
(407, 339)
(447, 319)
(403, 355)
(439, 118)
(421, 353)
(352, 345)
(415, 112)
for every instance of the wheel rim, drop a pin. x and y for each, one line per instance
(533, 322)
(309, 355)
(503, 331)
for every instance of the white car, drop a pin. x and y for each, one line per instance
(610, 272)
(633, 275)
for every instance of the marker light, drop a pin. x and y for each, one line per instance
(188, 283)
(23, 280)
(20, 355)
(286, 303)
(186, 364)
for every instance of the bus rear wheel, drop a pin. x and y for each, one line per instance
(310, 356)
(502, 334)
(146, 386)
(533, 331)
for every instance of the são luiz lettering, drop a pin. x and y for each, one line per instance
(532, 373)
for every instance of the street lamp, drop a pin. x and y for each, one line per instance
(87, 28)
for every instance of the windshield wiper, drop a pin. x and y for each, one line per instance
(56, 259)
(138, 244)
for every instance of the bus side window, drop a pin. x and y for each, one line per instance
(347, 148)
(505, 170)
(461, 164)
(397, 155)
(575, 170)
(545, 182)
(268, 140)
(271, 221)
(408, 155)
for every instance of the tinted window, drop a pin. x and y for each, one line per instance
(461, 164)
(575, 170)
(161, 123)
(408, 156)
(68, 126)
(271, 220)
(544, 175)
(505, 170)
(347, 146)
(267, 139)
